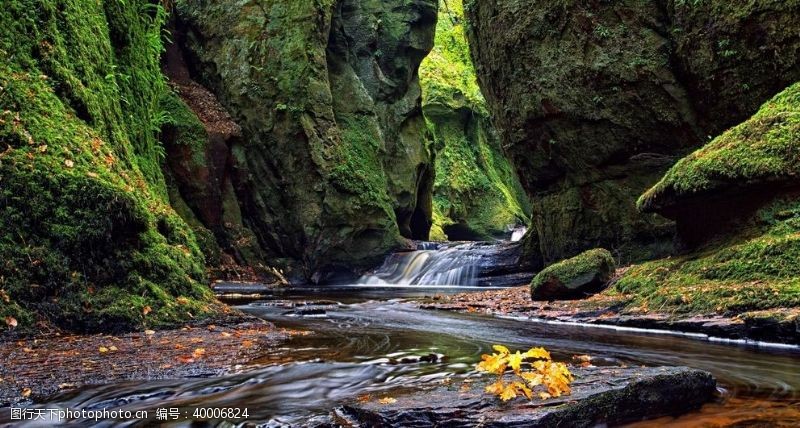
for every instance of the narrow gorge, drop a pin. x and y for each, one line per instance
(322, 208)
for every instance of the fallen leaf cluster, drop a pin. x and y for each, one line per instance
(551, 379)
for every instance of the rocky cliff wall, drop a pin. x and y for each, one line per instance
(596, 100)
(333, 168)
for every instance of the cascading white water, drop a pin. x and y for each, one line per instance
(518, 233)
(430, 265)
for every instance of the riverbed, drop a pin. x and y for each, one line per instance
(368, 343)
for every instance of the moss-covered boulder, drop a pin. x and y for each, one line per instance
(575, 278)
(737, 205)
(596, 100)
(334, 167)
(476, 195)
(88, 239)
(734, 174)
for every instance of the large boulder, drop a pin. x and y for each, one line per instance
(574, 278)
(736, 202)
(596, 100)
(733, 175)
(333, 167)
(600, 396)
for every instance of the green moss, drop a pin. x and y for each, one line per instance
(760, 150)
(592, 263)
(742, 273)
(357, 165)
(85, 227)
(447, 72)
(475, 185)
(756, 267)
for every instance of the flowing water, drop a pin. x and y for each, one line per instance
(431, 265)
(368, 342)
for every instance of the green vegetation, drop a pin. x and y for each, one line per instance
(87, 237)
(591, 268)
(475, 185)
(755, 268)
(742, 273)
(762, 149)
(358, 168)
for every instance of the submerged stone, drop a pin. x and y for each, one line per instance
(600, 395)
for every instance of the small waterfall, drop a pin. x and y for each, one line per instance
(432, 264)
(518, 233)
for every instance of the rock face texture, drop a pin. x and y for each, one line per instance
(88, 239)
(736, 173)
(600, 396)
(575, 278)
(477, 194)
(736, 202)
(595, 100)
(333, 167)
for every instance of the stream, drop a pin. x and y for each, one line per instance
(368, 342)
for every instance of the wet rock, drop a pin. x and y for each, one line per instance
(580, 276)
(596, 100)
(332, 169)
(599, 396)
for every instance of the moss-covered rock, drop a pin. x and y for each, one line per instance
(477, 195)
(583, 275)
(754, 160)
(87, 236)
(596, 100)
(737, 205)
(333, 168)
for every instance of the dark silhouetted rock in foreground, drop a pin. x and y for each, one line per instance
(600, 395)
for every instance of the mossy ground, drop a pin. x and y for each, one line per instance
(756, 266)
(475, 184)
(753, 271)
(87, 236)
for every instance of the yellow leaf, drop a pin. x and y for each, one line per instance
(26, 392)
(199, 352)
(149, 332)
(509, 392)
(514, 361)
(182, 300)
(533, 379)
(146, 310)
(102, 349)
(544, 395)
(539, 353)
(68, 163)
(113, 348)
(496, 388)
(524, 389)
(387, 400)
(495, 363)
(501, 349)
